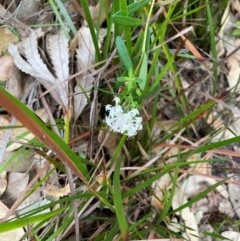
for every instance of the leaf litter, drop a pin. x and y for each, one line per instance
(54, 76)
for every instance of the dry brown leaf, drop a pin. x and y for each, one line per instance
(15, 234)
(159, 186)
(6, 38)
(6, 62)
(108, 140)
(55, 191)
(96, 12)
(17, 83)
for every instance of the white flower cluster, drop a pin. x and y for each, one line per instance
(127, 123)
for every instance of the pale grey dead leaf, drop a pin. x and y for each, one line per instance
(34, 65)
(225, 207)
(234, 194)
(231, 235)
(195, 184)
(191, 233)
(33, 57)
(57, 46)
(23, 162)
(26, 11)
(3, 182)
(15, 234)
(17, 182)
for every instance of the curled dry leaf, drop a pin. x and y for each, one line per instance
(6, 62)
(55, 191)
(17, 135)
(6, 38)
(85, 58)
(35, 67)
(15, 234)
(57, 46)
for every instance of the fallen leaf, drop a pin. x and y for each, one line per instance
(17, 82)
(17, 182)
(55, 191)
(15, 234)
(191, 230)
(35, 67)
(231, 235)
(234, 195)
(159, 186)
(85, 58)
(6, 62)
(109, 141)
(6, 38)
(195, 184)
(3, 182)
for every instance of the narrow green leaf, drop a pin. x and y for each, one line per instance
(21, 222)
(123, 53)
(117, 198)
(66, 16)
(127, 21)
(63, 27)
(143, 72)
(134, 7)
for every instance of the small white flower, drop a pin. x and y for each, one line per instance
(119, 121)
